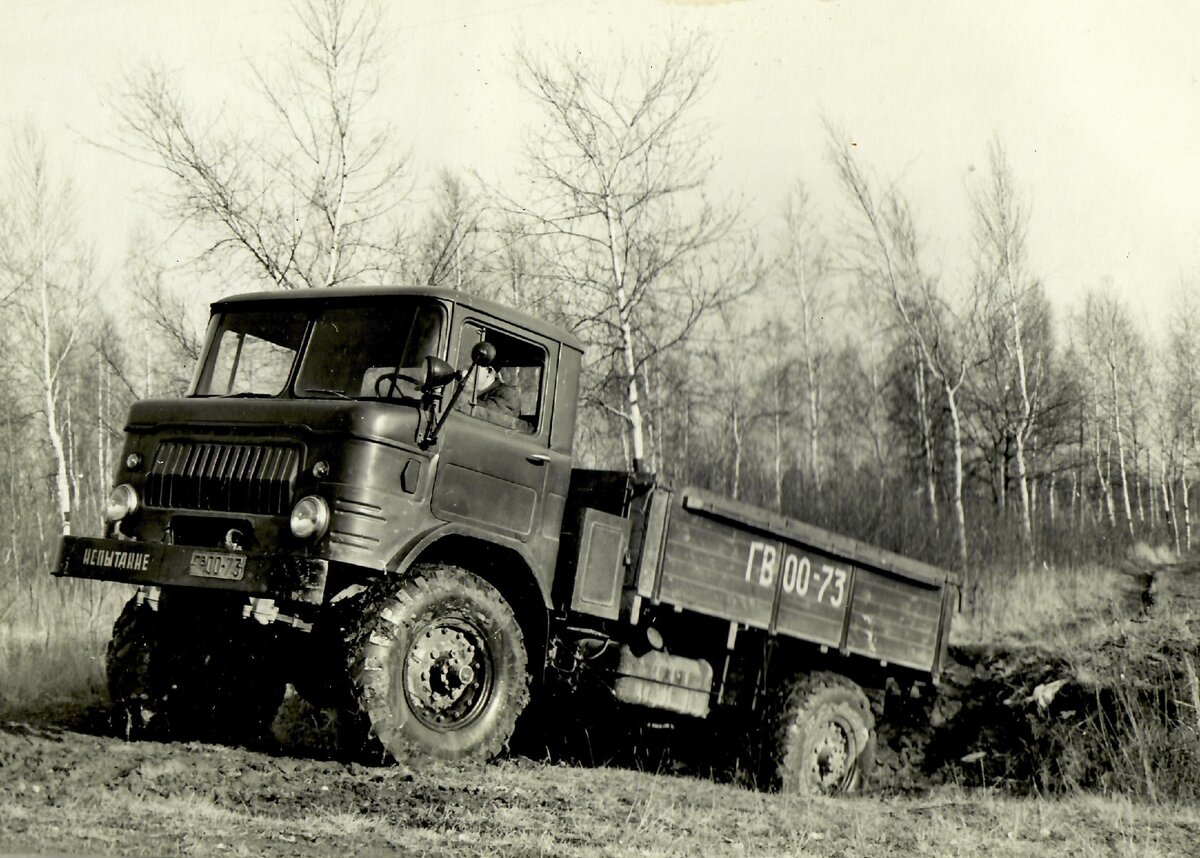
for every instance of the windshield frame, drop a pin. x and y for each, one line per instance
(312, 311)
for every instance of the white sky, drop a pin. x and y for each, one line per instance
(1097, 104)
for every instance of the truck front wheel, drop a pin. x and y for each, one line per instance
(183, 676)
(130, 667)
(822, 737)
(438, 666)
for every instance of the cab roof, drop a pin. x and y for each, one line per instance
(339, 294)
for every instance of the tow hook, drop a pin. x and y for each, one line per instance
(265, 611)
(149, 596)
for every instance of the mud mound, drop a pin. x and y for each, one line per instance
(1111, 704)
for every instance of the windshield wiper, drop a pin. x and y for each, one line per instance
(247, 394)
(336, 394)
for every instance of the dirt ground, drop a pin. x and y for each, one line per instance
(68, 788)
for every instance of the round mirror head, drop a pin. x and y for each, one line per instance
(483, 354)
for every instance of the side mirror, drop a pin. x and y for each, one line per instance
(438, 373)
(483, 354)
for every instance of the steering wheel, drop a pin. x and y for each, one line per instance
(393, 378)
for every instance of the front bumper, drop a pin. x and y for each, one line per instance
(277, 576)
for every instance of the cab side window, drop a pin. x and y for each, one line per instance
(509, 393)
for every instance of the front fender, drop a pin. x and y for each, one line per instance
(458, 540)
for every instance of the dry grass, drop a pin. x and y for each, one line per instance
(52, 637)
(1111, 653)
(1041, 603)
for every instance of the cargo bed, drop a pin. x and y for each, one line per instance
(702, 552)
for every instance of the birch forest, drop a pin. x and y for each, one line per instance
(818, 361)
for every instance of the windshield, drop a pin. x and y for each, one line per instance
(361, 351)
(251, 353)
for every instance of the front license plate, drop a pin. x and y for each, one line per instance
(209, 564)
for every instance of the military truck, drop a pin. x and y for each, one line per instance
(337, 504)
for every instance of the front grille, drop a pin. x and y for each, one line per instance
(254, 478)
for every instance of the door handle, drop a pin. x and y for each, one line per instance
(538, 458)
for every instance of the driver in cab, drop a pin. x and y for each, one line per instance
(495, 396)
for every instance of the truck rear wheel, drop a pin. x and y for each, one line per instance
(821, 737)
(438, 666)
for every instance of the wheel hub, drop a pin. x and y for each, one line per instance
(445, 675)
(830, 756)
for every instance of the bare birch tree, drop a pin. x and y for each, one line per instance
(450, 242)
(923, 400)
(154, 351)
(1001, 228)
(1101, 471)
(1183, 371)
(1170, 432)
(778, 338)
(48, 277)
(885, 252)
(737, 380)
(861, 377)
(805, 266)
(1114, 344)
(301, 194)
(616, 177)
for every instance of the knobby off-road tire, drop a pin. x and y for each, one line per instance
(129, 666)
(819, 738)
(189, 676)
(438, 667)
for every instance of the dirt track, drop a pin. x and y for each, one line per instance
(64, 791)
(81, 791)
(156, 799)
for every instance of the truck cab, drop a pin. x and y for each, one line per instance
(304, 458)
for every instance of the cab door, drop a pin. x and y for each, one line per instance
(497, 470)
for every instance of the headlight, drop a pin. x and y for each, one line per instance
(310, 517)
(122, 502)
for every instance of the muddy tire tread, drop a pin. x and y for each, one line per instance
(128, 669)
(165, 684)
(374, 625)
(795, 704)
